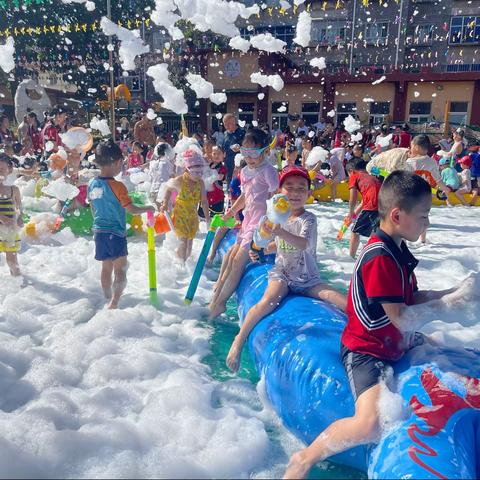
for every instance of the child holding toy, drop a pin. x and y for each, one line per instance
(259, 180)
(381, 326)
(109, 199)
(295, 269)
(10, 216)
(190, 193)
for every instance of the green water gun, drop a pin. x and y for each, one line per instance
(217, 221)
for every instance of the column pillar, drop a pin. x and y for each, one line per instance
(400, 102)
(475, 115)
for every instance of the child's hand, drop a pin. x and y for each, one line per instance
(228, 214)
(254, 256)
(20, 221)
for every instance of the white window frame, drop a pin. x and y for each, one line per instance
(464, 24)
(345, 113)
(376, 39)
(421, 38)
(333, 30)
(464, 114)
(419, 117)
(310, 114)
(280, 117)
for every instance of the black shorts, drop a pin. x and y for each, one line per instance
(366, 223)
(475, 185)
(363, 371)
(215, 208)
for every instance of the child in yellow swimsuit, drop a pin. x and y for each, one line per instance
(10, 216)
(190, 192)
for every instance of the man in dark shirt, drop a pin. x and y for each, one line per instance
(233, 138)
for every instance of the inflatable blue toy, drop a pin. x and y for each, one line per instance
(297, 350)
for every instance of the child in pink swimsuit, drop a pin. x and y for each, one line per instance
(259, 182)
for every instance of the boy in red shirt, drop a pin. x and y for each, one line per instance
(368, 186)
(379, 328)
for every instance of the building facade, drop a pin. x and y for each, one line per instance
(391, 61)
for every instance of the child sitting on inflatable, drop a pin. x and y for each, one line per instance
(380, 327)
(259, 181)
(367, 210)
(109, 199)
(10, 216)
(190, 193)
(295, 270)
(465, 179)
(449, 176)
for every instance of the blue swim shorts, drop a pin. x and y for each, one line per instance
(109, 246)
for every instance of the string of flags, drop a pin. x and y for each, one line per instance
(60, 29)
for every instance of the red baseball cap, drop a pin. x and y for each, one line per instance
(466, 160)
(292, 171)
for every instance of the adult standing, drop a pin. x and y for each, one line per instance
(34, 132)
(144, 133)
(6, 135)
(405, 137)
(56, 125)
(233, 139)
(219, 136)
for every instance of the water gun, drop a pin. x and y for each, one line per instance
(217, 221)
(152, 265)
(379, 172)
(346, 223)
(278, 212)
(63, 212)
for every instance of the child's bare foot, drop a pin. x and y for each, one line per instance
(107, 293)
(113, 305)
(297, 467)
(233, 357)
(216, 310)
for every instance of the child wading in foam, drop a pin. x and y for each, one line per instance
(10, 217)
(295, 267)
(259, 181)
(109, 199)
(190, 193)
(380, 328)
(368, 186)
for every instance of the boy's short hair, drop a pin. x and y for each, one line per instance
(403, 190)
(6, 159)
(107, 152)
(422, 141)
(137, 144)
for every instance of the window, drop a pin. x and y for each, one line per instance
(246, 112)
(423, 34)
(378, 112)
(344, 110)
(286, 33)
(217, 109)
(377, 33)
(419, 112)
(458, 112)
(465, 29)
(158, 40)
(131, 81)
(328, 33)
(310, 112)
(280, 114)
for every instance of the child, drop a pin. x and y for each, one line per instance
(449, 176)
(10, 216)
(465, 179)
(368, 186)
(109, 199)
(307, 146)
(380, 328)
(161, 168)
(216, 196)
(291, 156)
(190, 193)
(475, 156)
(295, 267)
(337, 169)
(135, 159)
(259, 181)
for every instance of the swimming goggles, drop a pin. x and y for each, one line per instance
(252, 152)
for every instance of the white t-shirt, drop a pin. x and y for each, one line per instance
(426, 164)
(466, 180)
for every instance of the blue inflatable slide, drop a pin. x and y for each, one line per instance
(296, 349)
